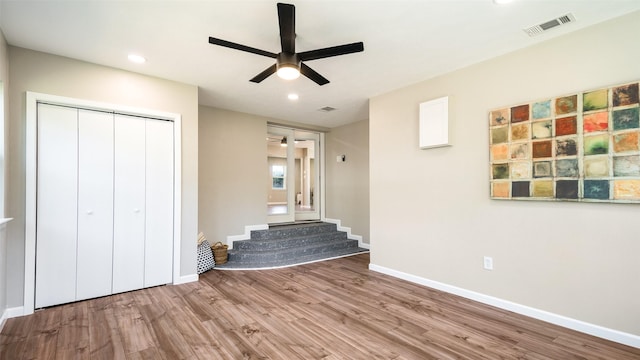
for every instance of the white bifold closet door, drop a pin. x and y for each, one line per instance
(57, 205)
(129, 204)
(95, 204)
(143, 201)
(104, 204)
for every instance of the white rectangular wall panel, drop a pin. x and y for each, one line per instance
(129, 204)
(56, 229)
(434, 123)
(159, 203)
(95, 204)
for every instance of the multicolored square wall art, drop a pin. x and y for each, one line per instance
(578, 147)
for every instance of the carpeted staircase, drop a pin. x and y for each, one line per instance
(285, 245)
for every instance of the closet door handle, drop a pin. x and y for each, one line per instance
(136, 210)
(89, 212)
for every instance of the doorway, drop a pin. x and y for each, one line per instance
(293, 166)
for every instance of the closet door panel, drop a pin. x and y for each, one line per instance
(129, 203)
(159, 203)
(95, 204)
(57, 156)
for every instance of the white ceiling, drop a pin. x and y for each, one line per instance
(405, 42)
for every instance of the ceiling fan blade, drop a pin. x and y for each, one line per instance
(331, 51)
(287, 20)
(313, 75)
(233, 45)
(265, 74)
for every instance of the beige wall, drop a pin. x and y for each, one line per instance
(431, 215)
(50, 74)
(348, 182)
(233, 163)
(4, 114)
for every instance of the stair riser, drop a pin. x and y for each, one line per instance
(277, 244)
(287, 232)
(265, 257)
(299, 260)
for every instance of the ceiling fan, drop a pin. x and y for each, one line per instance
(289, 64)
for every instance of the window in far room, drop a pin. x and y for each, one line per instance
(278, 178)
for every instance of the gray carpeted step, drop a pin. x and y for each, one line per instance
(289, 262)
(290, 244)
(294, 230)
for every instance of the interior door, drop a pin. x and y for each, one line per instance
(158, 259)
(129, 204)
(57, 205)
(95, 204)
(280, 175)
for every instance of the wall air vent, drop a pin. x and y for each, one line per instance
(327, 109)
(539, 29)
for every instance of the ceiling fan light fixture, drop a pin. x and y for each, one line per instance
(288, 72)
(288, 66)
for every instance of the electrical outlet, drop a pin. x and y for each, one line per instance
(488, 263)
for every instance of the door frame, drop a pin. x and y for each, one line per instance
(320, 176)
(32, 100)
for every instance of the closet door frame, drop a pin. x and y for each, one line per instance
(32, 100)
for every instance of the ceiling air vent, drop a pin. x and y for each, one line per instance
(539, 29)
(327, 109)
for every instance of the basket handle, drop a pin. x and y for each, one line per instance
(216, 245)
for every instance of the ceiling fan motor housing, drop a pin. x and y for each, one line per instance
(288, 60)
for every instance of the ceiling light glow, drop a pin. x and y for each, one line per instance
(502, 2)
(293, 97)
(288, 72)
(137, 59)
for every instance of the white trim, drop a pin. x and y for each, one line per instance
(5, 220)
(246, 235)
(32, 99)
(9, 313)
(323, 183)
(348, 231)
(185, 279)
(578, 325)
(177, 196)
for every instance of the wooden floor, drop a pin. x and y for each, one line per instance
(328, 310)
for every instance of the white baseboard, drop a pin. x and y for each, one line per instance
(9, 313)
(578, 325)
(348, 231)
(3, 319)
(246, 235)
(186, 279)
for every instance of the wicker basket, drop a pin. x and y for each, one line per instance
(219, 252)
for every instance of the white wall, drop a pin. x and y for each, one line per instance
(50, 74)
(431, 216)
(348, 182)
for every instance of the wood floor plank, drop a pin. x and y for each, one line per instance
(133, 327)
(73, 336)
(331, 310)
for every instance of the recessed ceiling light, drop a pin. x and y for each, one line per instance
(137, 59)
(501, 2)
(293, 97)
